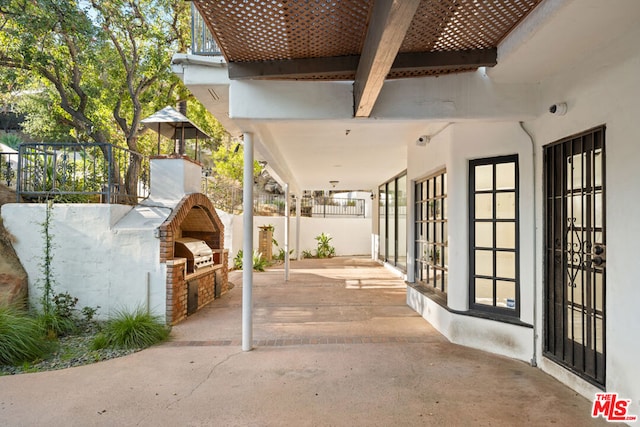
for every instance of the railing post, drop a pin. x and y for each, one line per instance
(109, 173)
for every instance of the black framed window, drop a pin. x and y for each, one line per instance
(431, 233)
(392, 221)
(493, 235)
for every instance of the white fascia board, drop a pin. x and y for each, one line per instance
(295, 100)
(457, 97)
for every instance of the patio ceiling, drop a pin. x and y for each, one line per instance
(277, 52)
(366, 41)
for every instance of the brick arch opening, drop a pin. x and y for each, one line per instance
(188, 291)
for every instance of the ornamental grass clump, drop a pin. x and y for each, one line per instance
(131, 330)
(22, 338)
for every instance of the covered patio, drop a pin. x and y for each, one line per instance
(335, 345)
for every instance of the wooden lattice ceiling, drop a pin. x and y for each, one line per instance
(327, 39)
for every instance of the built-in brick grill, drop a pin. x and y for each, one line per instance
(197, 253)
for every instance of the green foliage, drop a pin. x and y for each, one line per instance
(64, 305)
(91, 70)
(10, 140)
(324, 248)
(21, 337)
(237, 260)
(307, 254)
(280, 255)
(259, 262)
(131, 330)
(229, 162)
(56, 326)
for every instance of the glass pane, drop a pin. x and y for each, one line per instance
(438, 184)
(484, 263)
(506, 176)
(574, 171)
(391, 222)
(444, 180)
(599, 290)
(444, 208)
(574, 285)
(401, 212)
(575, 209)
(505, 294)
(484, 234)
(506, 205)
(506, 235)
(599, 334)
(597, 166)
(484, 177)
(484, 206)
(506, 264)
(484, 291)
(598, 208)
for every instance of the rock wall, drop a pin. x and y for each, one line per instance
(13, 278)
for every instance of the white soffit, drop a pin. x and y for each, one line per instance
(359, 154)
(561, 33)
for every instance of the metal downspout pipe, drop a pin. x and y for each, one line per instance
(534, 357)
(247, 245)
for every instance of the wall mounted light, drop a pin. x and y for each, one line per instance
(333, 183)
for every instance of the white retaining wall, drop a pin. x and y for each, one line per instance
(96, 256)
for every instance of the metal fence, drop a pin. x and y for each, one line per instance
(8, 168)
(228, 197)
(327, 206)
(81, 173)
(203, 42)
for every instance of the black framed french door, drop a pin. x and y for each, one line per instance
(575, 254)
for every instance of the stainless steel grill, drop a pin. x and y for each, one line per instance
(197, 253)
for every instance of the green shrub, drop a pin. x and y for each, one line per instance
(132, 330)
(55, 325)
(21, 337)
(259, 262)
(307, 254)
(324, 249)
(237, 260)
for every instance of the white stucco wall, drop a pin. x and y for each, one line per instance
(605, 94)
(452, 149)
(350, 236)
(94, 259)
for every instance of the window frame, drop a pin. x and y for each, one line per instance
(472, 220)
(437, 220)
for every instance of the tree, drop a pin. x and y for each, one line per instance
(105, 63)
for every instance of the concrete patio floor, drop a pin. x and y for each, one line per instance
(334, 346)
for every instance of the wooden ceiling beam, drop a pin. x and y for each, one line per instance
(336, 65)
(344, 65)
(388, 25)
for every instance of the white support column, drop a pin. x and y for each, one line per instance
(247, 246)
(298, 211)
(287, 216)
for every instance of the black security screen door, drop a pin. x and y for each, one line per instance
(575, 254)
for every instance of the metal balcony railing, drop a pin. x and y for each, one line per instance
(229, 198)
(202, 41)
(81, 173)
